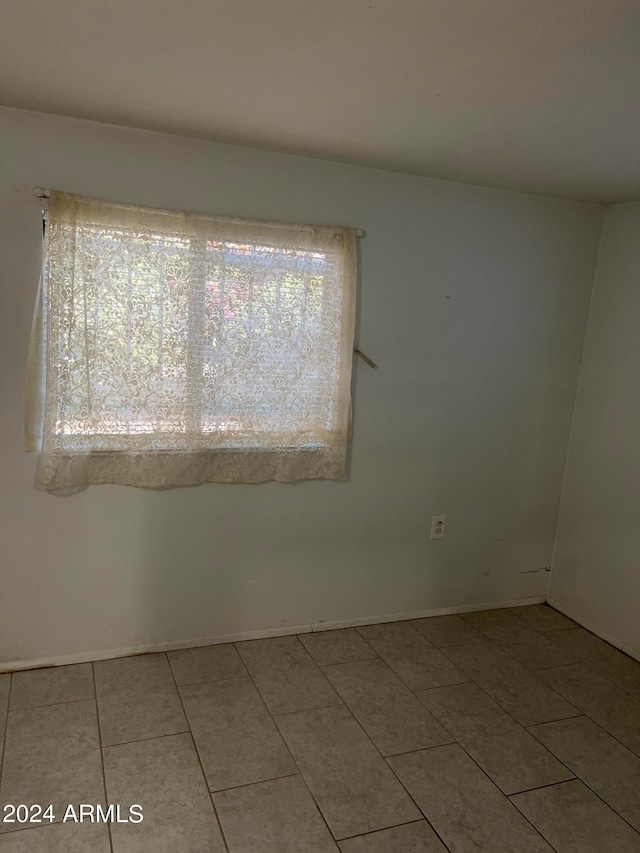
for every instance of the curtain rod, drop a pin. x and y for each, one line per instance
(44, 194)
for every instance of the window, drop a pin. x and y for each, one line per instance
(180, 348)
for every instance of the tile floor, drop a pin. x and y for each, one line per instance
(505, 731)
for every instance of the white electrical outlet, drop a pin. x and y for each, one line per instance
(438, 526)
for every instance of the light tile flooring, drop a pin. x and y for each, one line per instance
(505, 731)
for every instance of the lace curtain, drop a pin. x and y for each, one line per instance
(179, 349)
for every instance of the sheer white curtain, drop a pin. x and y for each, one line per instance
(179, 349)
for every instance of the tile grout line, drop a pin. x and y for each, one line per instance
(482, 770)
(454, 740)
(55, 704)
(511, 655)
(394, 774)
(339, 704)
(442, 650)
(144, 739)
(601, 674)
(524, 728)
(208, 680)
(256, 782)
(199, 760)
(435, 648)
(514, 610)
(574, 778)
(588, 715)
(508, 713)
(385, 828)
(532, 673)
(517, 722)
(3, 755)
(457, 743)
(580, 657)
(582, 782)
(375, 746)
(286, 745)
(549, 722)
(324, 666)
(101, 748)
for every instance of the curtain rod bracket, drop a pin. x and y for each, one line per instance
(365, 358)
(39, 192)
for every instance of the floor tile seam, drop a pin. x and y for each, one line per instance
(395, 775)
(380, 755)
(610, 680)
(556, 666)
(633, 751)
(324, 666)
(509, 714)
(513, 805)
(558, 720)
(199, 760)
(539, 630)
(456, 742)
(386, 662)
(207, 680)
(506, 651)
(277, 731)
(211, 681)
(583, 659)
(318, 809)
(529, 672)
(531, 628)
(6, 729)
(535, 828)
(587, 714)
(279, 714)
(374, 653)
(483, 639)
(609, 805)
(397, 674)
(589, 788)
(144, 739)
(54, 704)
(311, 660)
(606, 677)
(215, 791)
(287, 748)
(574, 778)
(104, 772)
(384, 829)
(606, 642)
(51, 705)
(553, 630)
(517, 722)
(499, 790)
(58, 821)
(452, 742)
(422, 704)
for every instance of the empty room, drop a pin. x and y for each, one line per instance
(319, 418)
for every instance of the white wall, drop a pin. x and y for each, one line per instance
(474, 304)
(596, 571)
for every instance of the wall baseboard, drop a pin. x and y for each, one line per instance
(85, 657)
(586, 623)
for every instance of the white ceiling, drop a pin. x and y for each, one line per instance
(535, 95)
